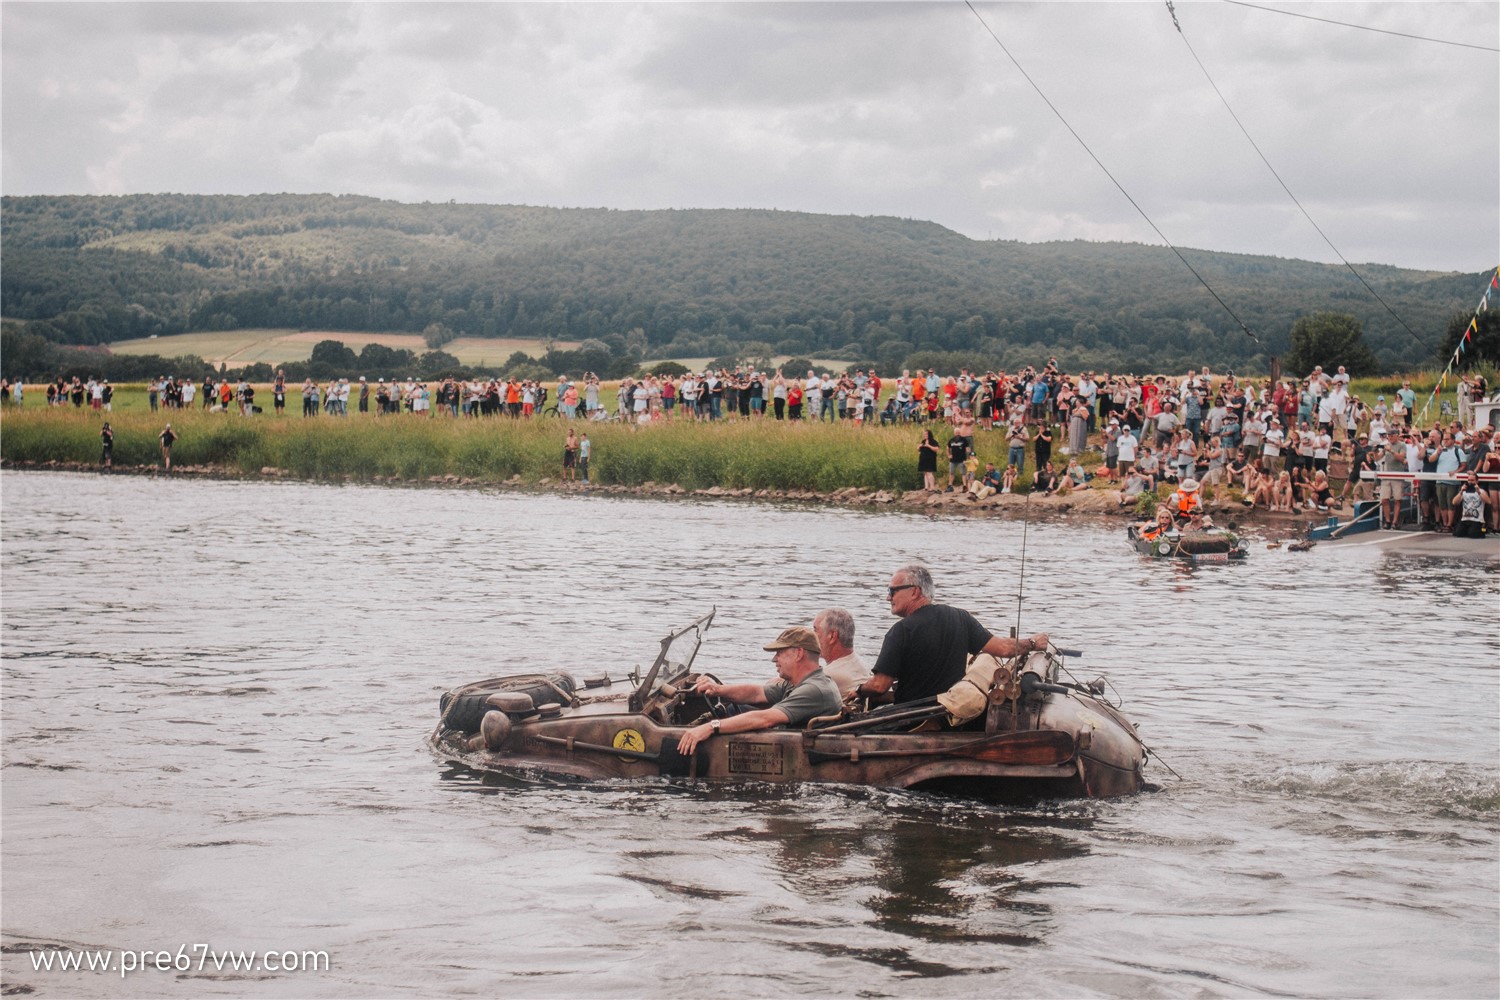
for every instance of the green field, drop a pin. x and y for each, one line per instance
(235, 348)
(247, 347)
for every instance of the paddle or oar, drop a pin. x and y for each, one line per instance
(573, 744)
(1375, 509)
(1044, 747)
(927, 711)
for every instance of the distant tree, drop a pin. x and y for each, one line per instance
(1483, 345)
(436, 335)
(530, 370)
(25, 355)
(377, 360)
(636, 343)
(260, 371)
(673, 368)
(796, 366)
(892, 354)
(1330, 339)
(756, 353)
(439, 364)
(331, 357)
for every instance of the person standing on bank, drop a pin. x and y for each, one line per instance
(107, 437)
(927, 453)
(803, 692)
(570, 455)
(584, 451)
(167, 440)
(927, 651)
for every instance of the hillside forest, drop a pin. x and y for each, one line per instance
(633, 286)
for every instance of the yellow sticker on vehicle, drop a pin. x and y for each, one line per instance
(629, 739)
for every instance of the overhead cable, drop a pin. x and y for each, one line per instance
(1255, 146)
(1170, 245)
(1364, 27)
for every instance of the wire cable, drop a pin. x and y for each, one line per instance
(1256, 146)
(1364, 27)
(1170, 245)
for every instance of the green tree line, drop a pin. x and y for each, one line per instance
(89, 270)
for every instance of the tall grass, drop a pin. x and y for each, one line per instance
(759, 454)
(763, 454)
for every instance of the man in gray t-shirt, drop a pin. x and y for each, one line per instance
(801, 692)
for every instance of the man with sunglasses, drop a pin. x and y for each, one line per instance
(926, 652)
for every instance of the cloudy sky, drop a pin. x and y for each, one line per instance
(912, 110)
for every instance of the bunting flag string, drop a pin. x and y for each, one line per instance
(1463, 343)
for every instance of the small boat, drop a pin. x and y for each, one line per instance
(1366, 518)
(1025, 732)
(1210, 545)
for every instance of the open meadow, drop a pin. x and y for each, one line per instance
(235, 348)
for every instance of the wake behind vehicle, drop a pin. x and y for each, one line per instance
(1011, 729)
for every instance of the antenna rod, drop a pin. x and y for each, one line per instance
(1025, 525)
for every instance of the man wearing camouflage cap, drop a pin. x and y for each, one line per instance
(801, 692)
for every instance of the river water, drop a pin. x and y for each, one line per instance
(217, 698)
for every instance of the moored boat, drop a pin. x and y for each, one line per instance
(1012, 729)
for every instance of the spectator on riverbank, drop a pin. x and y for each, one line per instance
(1470, 508)
(167, 439)
(927, 453)
(988, 484)
(570, 455)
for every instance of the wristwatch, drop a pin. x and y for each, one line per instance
(714, 725)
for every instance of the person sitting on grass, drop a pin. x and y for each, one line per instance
(1282, 494)
(987, 485)
(1074, 477)
(1008, 479)
(1135, 484)
(1045, 481)
(1319, 491)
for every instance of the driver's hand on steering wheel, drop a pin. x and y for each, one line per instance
(703, 684)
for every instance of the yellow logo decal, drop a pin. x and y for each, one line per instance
(629, 739)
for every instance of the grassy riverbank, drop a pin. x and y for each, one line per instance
(735, 455)
(757, 455)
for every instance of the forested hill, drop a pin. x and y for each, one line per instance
(699, 283)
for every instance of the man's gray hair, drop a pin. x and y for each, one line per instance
(919, 575)
(840, 621)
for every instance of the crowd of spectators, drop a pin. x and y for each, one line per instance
(1277, 442)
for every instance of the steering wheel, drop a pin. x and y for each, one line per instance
(716, 703)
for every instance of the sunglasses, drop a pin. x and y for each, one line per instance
(891, 592)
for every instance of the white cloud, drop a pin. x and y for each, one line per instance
(901, 109)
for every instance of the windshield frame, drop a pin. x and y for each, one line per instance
(658, 673)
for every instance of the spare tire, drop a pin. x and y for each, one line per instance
(466, 715)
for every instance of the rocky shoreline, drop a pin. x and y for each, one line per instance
(1100, 505)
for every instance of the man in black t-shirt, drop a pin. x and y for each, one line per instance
(958, 453)
(926, 652)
